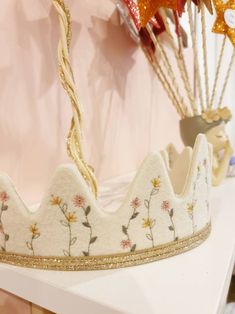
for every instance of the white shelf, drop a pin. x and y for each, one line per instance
(195, 282)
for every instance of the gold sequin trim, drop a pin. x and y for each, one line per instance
(103, 262)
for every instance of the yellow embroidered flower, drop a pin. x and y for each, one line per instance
(148, 223)
(190, 208)
(71, 217)
(156, 182)
(34, 229)
(55, 200)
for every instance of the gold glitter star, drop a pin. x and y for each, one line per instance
(148, 8)
(225, 22)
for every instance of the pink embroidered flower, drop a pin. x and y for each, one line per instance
(125, 244)
(79, 201)
(135, 203)
(165, 205)
(4, 196)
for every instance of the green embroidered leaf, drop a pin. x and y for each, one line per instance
(64, 207)
(64, 223)
(7, 237)
(149, 237)
(171, 228)
(86, 224)
(176, 238)
(171, 212)
(66, 253)
(93, 240)
(36, 236)
(85, 253)
(154, 192)
(73, 240)
(4, 207)
(146, 203)
(134, 215)
(124, 230)
(29, 245)
(87, 210)
(133, 248)
(3, 249)
(153, 223)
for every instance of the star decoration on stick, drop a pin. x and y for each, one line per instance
(148, 8)
(134, 12)
(225, 22)
(207, 3)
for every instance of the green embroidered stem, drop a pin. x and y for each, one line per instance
(87, 224)
(193, 224)
(135, 203)
(67, 223)
(31, 242)
(173, 227)
(35, 234)
(150, 225)
(3, 248)
(4, 207)
(70, 237)
(149, 222)
(70, 218)
(127, 233)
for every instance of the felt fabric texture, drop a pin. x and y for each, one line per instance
(70, 221)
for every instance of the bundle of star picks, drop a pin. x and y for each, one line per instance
(197, 99)
(153, 17)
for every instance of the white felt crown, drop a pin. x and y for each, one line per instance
(161, 216)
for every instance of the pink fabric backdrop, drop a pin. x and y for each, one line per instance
(126, 112)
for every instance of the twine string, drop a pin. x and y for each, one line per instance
(218, 68)
(74, 139)
(195, 53)
(204, 49)
(180, 60)
(164, 81)
(228, 73)
(167, 67)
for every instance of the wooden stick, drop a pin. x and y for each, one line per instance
(179, 56)
(218, 71)
(167, 66)
(195, 53)
(204, 49)
(227, 78)
(165, 83)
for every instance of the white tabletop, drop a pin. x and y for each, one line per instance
(195, 282)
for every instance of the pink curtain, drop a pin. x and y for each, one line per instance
(126, 112)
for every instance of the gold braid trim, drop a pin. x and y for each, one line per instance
(74, 140)
(112, 261)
